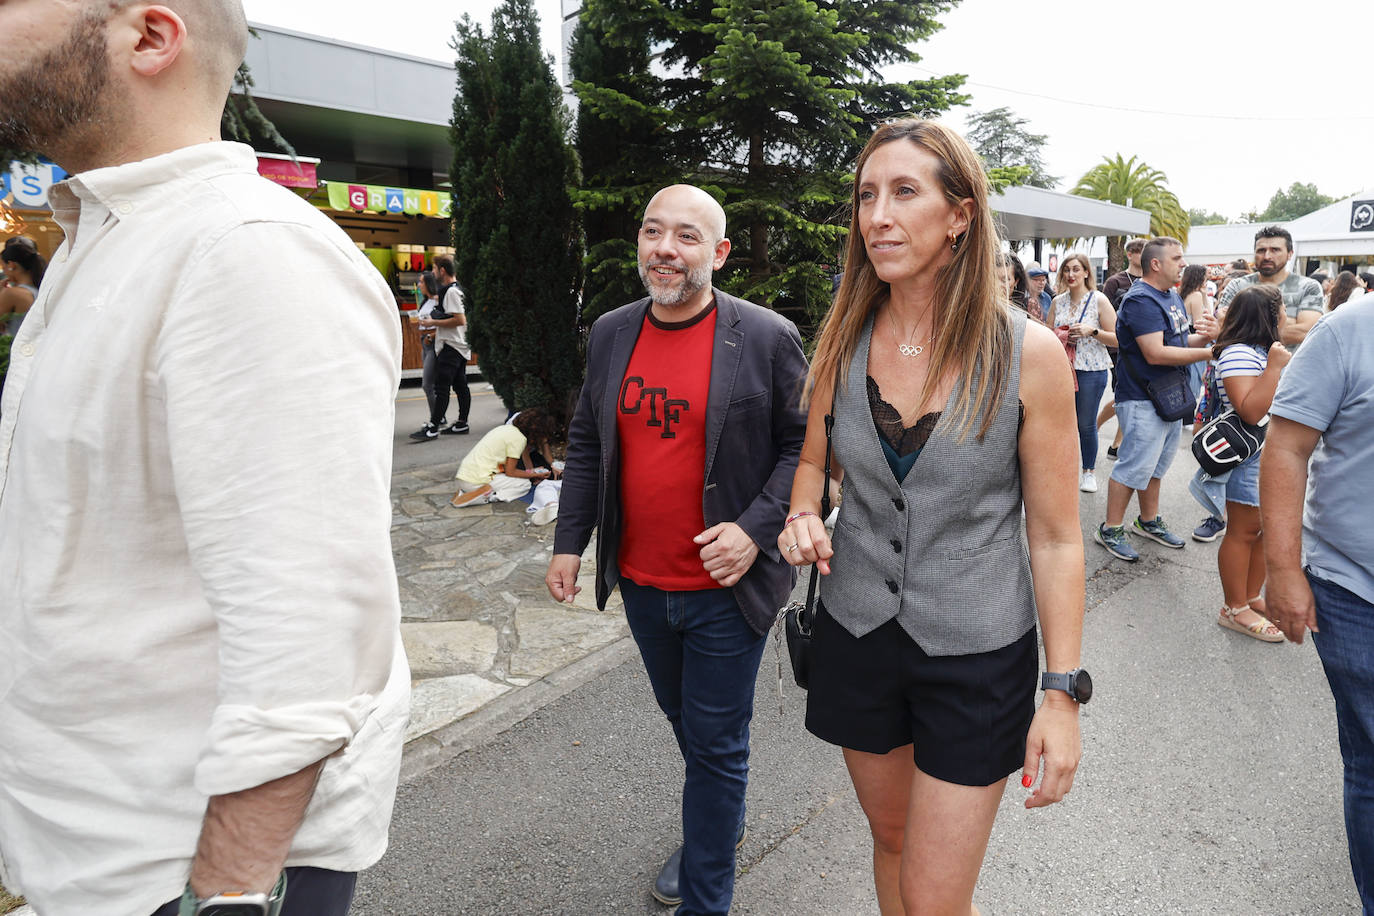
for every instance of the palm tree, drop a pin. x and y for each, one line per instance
(1134, 184)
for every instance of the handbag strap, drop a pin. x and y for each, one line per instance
(825, 485)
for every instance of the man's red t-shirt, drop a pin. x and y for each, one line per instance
(661, 419)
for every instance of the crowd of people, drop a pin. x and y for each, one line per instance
(203, 689)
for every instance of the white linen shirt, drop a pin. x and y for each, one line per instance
(197, 593)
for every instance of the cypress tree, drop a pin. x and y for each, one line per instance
(518, 241)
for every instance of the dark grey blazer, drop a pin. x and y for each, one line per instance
(754, 432)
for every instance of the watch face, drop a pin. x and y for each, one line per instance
(1082, 686)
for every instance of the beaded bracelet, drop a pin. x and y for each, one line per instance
(793, 518)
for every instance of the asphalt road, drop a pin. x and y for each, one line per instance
(1210, 784)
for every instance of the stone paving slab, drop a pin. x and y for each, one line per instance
(476, 619)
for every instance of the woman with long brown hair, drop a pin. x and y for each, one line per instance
(950, 408)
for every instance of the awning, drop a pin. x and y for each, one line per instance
(1034, 213)
(288, 172)
(370, 198)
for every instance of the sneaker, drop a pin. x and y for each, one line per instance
(425, 433)
(1156, 531)
(1114, 539)
(544, 514)
(1111, 452)
(457, 429)
(1087, 482)
(1210, 529)
(477, 497)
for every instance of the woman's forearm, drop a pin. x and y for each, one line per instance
(1057, 573)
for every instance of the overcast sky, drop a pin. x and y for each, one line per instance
(1231, 99)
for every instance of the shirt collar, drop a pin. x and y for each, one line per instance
(121, 189)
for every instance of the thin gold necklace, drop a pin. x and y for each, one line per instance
(907, 349)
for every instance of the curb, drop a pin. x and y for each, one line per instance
(431, 751)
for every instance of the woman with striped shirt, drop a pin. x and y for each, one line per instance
(1249, 360)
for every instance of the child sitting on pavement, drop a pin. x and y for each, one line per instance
(492, 471)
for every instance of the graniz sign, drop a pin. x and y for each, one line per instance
(1362, 216)
(25, 187)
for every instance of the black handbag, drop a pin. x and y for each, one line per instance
(798, 617)
(1226, 441)
(1171, 394)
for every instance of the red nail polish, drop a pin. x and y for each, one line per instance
(1027, 780)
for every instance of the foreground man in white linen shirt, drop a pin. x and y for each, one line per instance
(201, 672)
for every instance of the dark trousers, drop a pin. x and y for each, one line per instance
(1346, 647)
(450, 371)
(702, 659)
(427, 373)
(309, 892)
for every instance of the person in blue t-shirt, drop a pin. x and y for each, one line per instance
(1318, 469)
(1152, 339)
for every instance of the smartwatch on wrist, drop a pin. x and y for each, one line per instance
(1078, 684)
(234, 903)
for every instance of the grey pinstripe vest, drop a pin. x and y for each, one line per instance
(944, 552)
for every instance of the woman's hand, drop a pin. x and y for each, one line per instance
(1279, 355)
(806, 541)
(1081, 330)
(1054, 741)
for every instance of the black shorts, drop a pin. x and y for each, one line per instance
(966, 716)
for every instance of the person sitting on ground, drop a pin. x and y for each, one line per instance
(1249, 360)
(491, 472)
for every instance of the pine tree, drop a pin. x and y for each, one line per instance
(766, 105)
(623, 149)
(518, 244)
(1003, 141)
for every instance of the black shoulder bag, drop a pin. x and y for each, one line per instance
(798, 617)
(1171, 394)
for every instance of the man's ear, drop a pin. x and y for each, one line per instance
(722, 252)
(159, 36)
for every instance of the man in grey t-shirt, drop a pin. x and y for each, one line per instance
(1320, 552)
(1302, 296)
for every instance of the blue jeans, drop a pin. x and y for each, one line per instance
(1210, 492)
(1346, 647)
(1091, 384)
(702, 659)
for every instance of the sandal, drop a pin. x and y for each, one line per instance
(1258, 605)
(1262, 629)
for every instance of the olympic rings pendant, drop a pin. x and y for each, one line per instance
(910, 350)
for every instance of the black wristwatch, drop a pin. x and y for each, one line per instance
(1095, 330)
(1077, 683)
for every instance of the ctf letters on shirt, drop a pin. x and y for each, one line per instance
(661, 421)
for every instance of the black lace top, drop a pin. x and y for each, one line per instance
(904, 440)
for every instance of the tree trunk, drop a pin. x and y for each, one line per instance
(1116, 254)
(758, 232)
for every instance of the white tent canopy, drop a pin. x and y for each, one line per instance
(1034, 213)
(1343, 231)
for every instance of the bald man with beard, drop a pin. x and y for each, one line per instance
(203, 693)
(681, 455)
